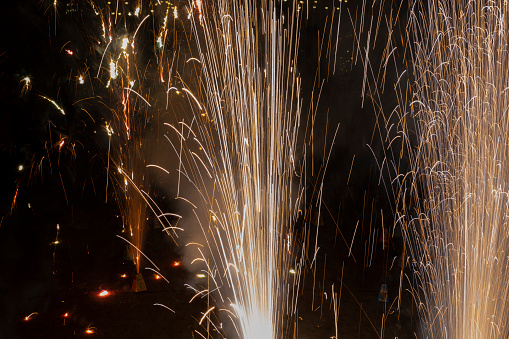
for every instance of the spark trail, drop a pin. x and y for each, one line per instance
(459, 233)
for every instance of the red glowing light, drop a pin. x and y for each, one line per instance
(157, 277)
(66, 315)
(104, 293)
(89, 331)
(123, 275)
(61, 143)
(176, 263)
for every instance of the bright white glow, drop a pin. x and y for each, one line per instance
(125, 42)
(113, 70)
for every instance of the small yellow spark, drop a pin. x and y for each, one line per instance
(80, 79)
(20, 168)
(175, 13)
(292, 271)
(200, 275)
(137, 11)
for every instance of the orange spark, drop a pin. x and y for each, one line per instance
(28, 317)
(104, 293)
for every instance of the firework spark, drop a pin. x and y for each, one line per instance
(459, 233)
(247, 111)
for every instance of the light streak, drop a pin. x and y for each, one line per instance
(142, 98)
(130, 243)
(159, 167)
(192, 96)
(206, 313)
(54, 104)
(156, 304)
(28, 317)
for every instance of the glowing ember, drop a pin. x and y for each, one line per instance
(157, 277)
(104, 293)
(123, 275)
(176, 264)
(200, 275)
(28, 317)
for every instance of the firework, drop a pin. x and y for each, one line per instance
(236, 117)
(457, 224)
(238, 149)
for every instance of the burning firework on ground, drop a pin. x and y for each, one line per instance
(238, 149)
(459, 233)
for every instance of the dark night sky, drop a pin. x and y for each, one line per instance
(66, 186)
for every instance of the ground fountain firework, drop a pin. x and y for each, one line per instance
(458, 237)
(238, 149)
